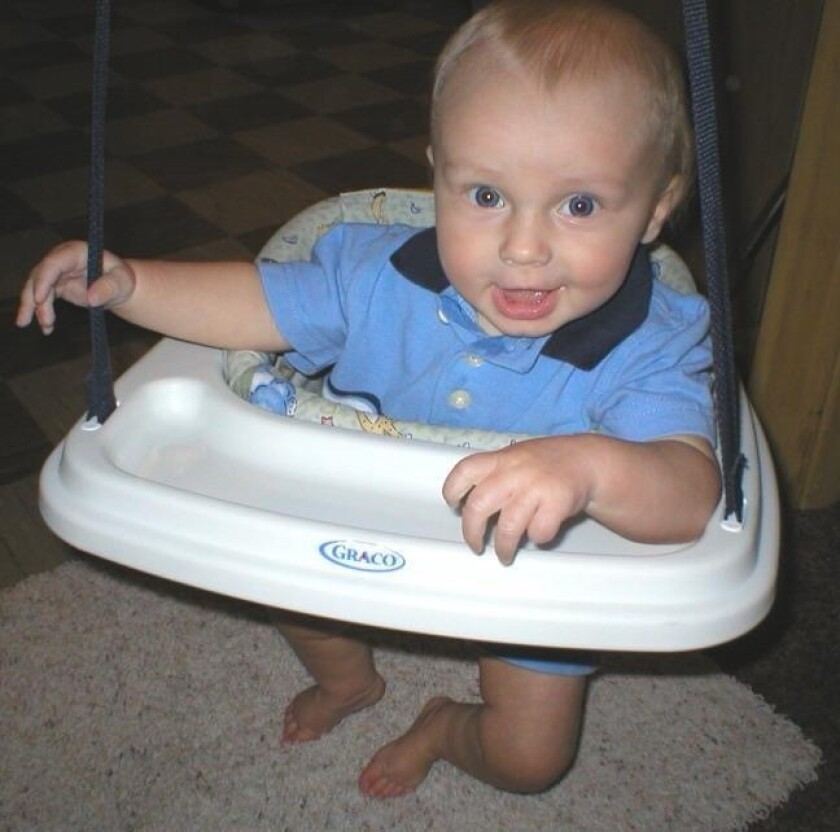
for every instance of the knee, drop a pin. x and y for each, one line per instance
(529, 725)
(531, 769)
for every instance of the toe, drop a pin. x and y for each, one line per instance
(379, 786)
(294, 732)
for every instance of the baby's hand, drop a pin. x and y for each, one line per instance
(533, 486)
(62, 274)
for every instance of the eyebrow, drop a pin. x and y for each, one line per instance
(475, 171)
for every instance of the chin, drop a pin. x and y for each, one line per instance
(520, 329)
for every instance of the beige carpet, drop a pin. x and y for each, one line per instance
(131, 704)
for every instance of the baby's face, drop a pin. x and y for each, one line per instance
(542, 196)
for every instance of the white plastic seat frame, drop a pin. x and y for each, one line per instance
(189, 482)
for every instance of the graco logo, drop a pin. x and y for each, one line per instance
(363, 557)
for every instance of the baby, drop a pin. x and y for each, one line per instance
(560, 146)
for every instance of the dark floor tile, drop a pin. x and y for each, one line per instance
(12, 93)
(353, 9)
(371, 168)
(389, 121)
(24, 351)
(15, 214)
(323, 33)
(275, 18)
(75, 108)
(13, 17)
(37, 56)
(154, 228)
(203, 28)
(340, 94)
(42, 154)
(23, 446)
(19, 251)
(159, 63)
(256, 239)
(427, 43)
(413, 79)
(398, 24)
(198, 163)
(124, 99)
(75, 25)
(249, 112)
(11, 572)
(451, 14)
(287, 69)
(27, 546)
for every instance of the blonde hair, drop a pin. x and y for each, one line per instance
(554, 40)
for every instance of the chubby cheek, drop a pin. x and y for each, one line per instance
(462, 260)
(601, 272)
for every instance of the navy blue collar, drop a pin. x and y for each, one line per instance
(584, 342)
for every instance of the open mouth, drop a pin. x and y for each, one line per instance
(525, 304)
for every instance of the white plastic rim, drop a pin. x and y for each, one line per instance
(190, 483)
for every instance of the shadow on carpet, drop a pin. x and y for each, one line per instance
(128, 703)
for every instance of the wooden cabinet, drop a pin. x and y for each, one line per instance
(794, 379)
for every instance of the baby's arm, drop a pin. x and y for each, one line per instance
(654, 492)
(217, 304)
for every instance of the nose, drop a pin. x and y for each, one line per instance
(525, 240)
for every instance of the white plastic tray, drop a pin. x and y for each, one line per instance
(188, 482)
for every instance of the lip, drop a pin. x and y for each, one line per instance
(524, 304)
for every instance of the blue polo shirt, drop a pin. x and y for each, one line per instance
(374, 304)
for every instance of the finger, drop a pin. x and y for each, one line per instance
(31, 307)
(474, 528)
(115, 285)
(481, 505)
(26, 305)
(465, 476)
(512, 524)
(105, 291)
(546, 522)
(59, 274)
(45, 315)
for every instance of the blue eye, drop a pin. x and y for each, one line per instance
(486, 197)
(580, 205)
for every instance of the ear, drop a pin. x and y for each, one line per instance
(668, 200)
(430, 155)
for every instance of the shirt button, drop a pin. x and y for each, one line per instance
(474, 360)
(460, 399)
(442, 316)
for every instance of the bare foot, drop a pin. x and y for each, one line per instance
(314, 712)
(400, 766)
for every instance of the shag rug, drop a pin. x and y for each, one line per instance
(129, 703)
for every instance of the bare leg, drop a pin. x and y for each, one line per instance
(523, 737)
(345, 677)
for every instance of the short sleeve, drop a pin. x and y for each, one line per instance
(307, 300)
(658, 381)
